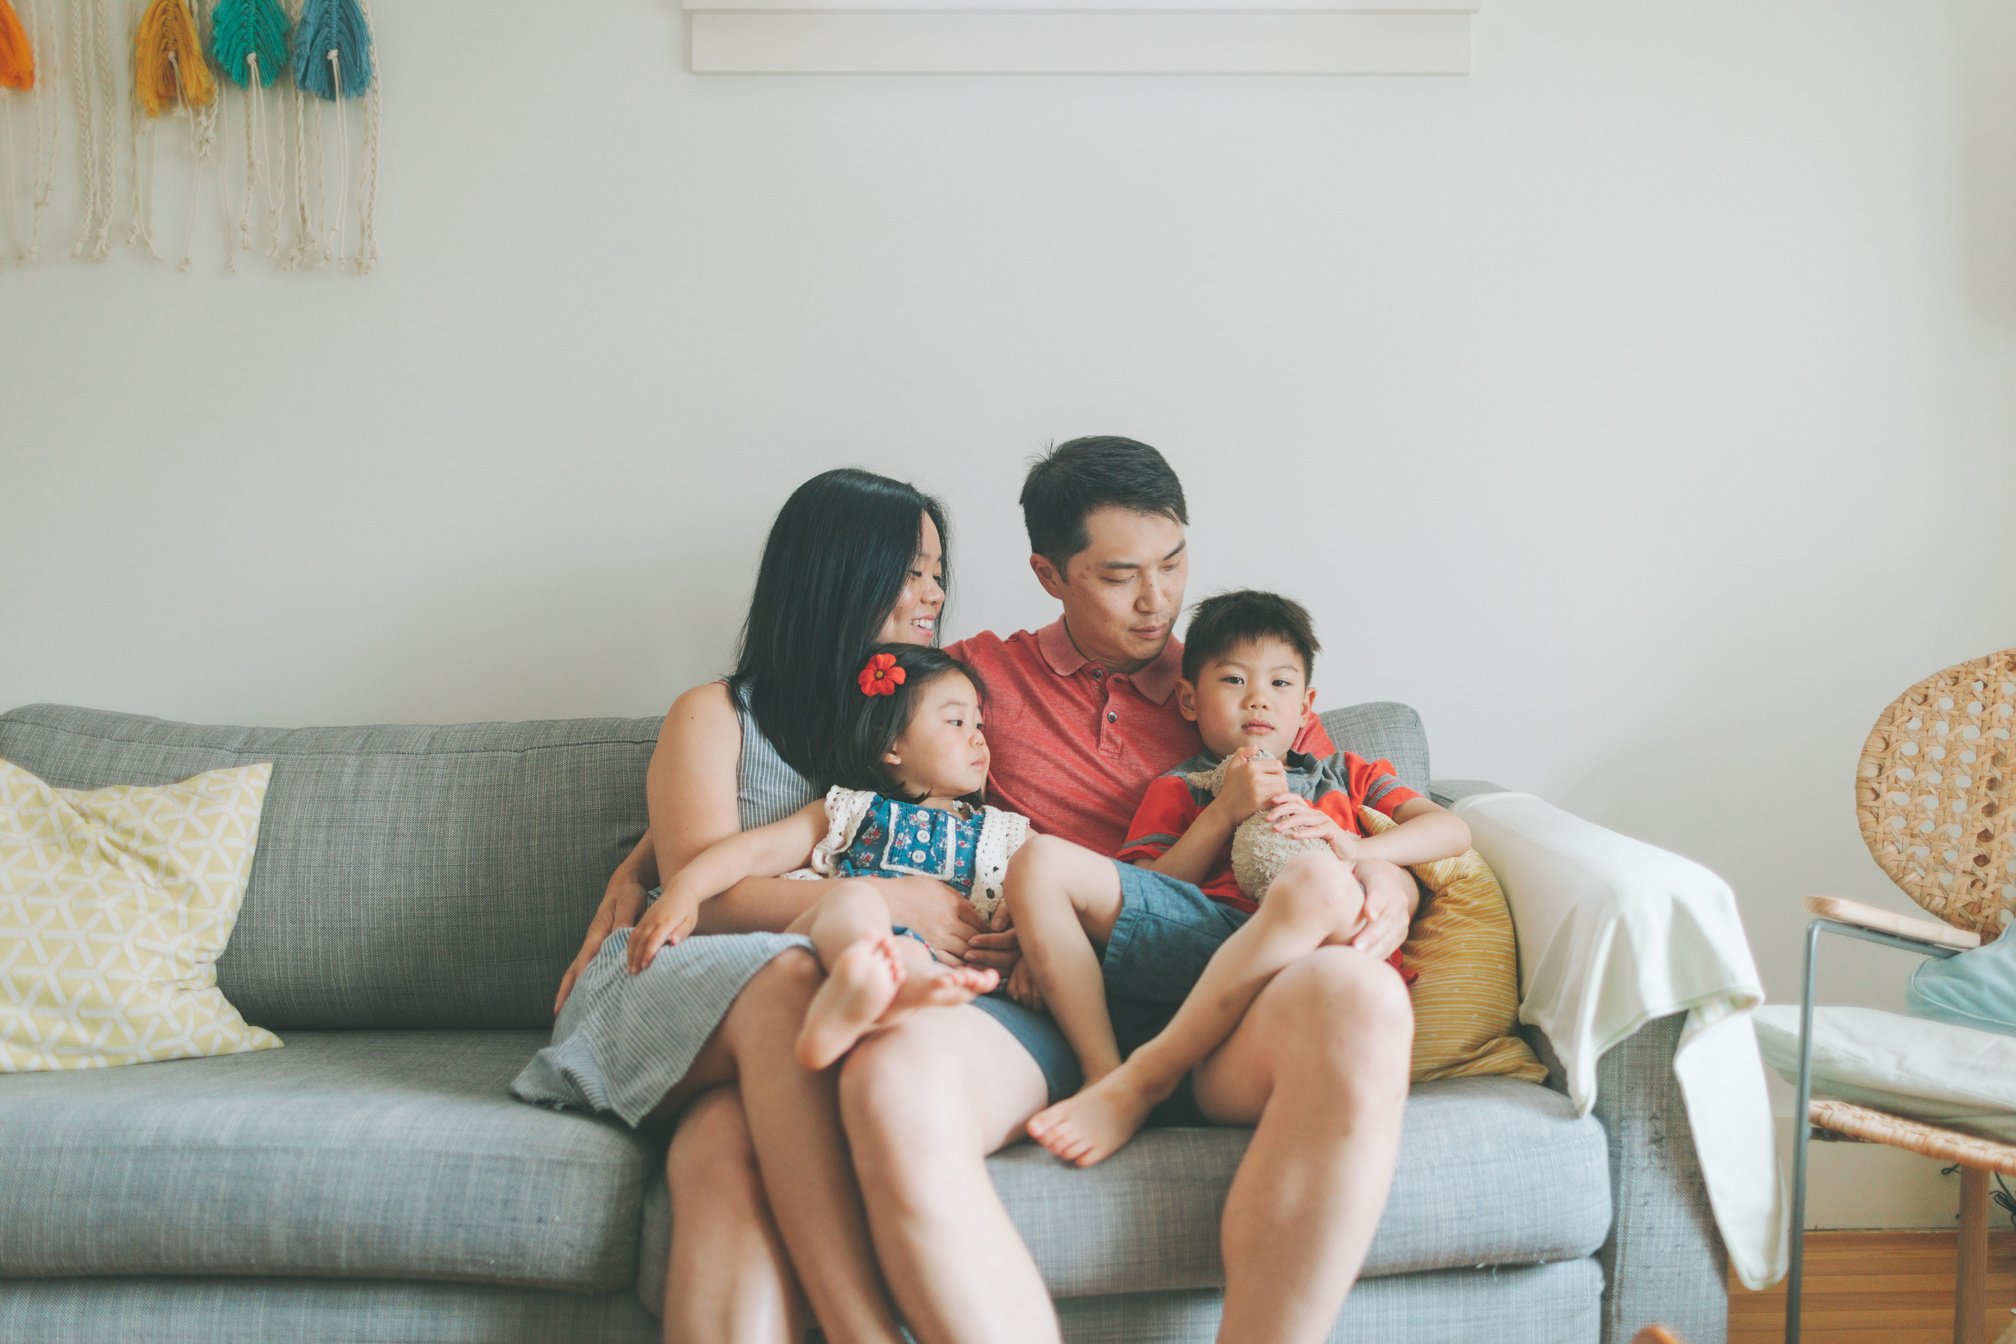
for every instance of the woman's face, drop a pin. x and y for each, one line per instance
(914, 618)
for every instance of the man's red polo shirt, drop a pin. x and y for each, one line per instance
(1074, 746)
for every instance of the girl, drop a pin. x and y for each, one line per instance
(911, 762)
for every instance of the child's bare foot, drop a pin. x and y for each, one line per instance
(860, 985)
(937, 986)
(1097, 1122)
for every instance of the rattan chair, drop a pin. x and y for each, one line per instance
(1935, 795)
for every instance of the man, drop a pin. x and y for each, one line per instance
(1081, 717)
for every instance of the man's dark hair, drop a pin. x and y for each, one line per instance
(1076, 479)
(1219, 624)
(874, 722)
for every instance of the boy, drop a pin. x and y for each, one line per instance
(1168, 914)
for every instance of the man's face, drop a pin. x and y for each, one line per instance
(1254, 694)
(1122, 593)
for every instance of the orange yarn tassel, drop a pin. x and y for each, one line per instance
(168, 64)
(17, 58)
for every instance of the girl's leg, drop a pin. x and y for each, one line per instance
(1315, 901)
(1064, 899)
(794, 1125)
(729, 1277)
(871, 979)
(925, 1102)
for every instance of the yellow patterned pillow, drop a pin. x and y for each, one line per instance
(1466, 1003)
(114, 907)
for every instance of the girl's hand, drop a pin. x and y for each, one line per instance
(1022, 987)
(621, 903)
(943, 917)
(663, 925)
(999, 948)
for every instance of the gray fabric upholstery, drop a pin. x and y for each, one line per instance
(1663, 1260)
(345, 1155)
(406, 876)
(1541, 1304)
(1383, 730)
(310, 1311)
(1492, 1172)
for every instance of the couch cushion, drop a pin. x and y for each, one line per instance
(1492, 1172)
(351, 1154)
(1383, 730)
(407, 876)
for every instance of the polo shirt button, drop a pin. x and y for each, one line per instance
(1098, 674)
(1111, 717)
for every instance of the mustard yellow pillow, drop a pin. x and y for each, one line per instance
(1466, 1003)
(114, 907)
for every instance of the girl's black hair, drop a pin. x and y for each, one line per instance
(836, 560)
(876, 721)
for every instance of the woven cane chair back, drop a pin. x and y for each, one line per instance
(1935, 793)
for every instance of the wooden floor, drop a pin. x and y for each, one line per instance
(1877, 1288)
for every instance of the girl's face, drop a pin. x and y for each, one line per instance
(943, 753)
(914, 618)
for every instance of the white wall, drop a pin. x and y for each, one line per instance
(1639, 407)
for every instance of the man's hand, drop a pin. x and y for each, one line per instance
(1250, 784)
(1000, 947)
(622, 902)
(1390, 901)
(941, 916)
(663, 925)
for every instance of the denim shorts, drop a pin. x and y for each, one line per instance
(1167, 931)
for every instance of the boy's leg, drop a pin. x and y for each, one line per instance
(871, 979)
(1315, 901)
(1064, 899)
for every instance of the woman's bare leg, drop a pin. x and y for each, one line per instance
(1315, 901)
(729, 1278)
(924, 1103)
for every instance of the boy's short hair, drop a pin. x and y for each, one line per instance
(1218, 624)
(1076, 479)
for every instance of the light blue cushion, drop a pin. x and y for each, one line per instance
(392, 1155)
(1975, 989)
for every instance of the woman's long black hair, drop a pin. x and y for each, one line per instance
(838, 555)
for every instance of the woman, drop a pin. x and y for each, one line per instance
(705, 1033)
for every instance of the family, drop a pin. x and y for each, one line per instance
(894, 936)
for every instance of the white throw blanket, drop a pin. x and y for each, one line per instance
(1615, 933)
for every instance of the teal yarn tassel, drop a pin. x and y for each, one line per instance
(243, 28)
(338, 26)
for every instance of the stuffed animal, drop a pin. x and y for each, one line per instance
(1259, 852)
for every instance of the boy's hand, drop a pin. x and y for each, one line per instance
(1022, 987)
(663, 925)
(1293, 815)
(1250, 784)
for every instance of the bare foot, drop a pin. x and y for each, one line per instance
(1097, 1122)
(860, 985)
(937, 986)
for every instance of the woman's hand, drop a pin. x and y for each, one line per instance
(622, 902)
(999, 947)
(944, 918)
(663, 925)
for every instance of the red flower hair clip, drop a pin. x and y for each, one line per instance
(881, 676)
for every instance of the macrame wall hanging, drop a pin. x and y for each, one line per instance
(261, 91)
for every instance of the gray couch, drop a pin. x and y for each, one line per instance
(416, 893)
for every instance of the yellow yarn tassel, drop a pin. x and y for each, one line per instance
(17, 58)
(168, 64)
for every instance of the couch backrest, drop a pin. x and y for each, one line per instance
(434, 876)
(405, 876)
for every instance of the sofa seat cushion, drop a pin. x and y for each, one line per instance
(1492, 1172)
(389, 1155)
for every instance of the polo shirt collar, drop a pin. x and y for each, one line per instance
(1156, 682)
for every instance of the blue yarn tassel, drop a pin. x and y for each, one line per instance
(242, 28)
(338, 26)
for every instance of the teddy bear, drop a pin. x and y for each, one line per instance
(1259, 852)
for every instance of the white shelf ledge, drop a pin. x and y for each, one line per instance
(1301, 37)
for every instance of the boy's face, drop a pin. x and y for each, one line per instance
(1252, 695)
(1121, 594)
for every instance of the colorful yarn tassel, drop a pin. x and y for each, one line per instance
(332, 49)
(242, 30)
(168, 64)
(17, 58)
